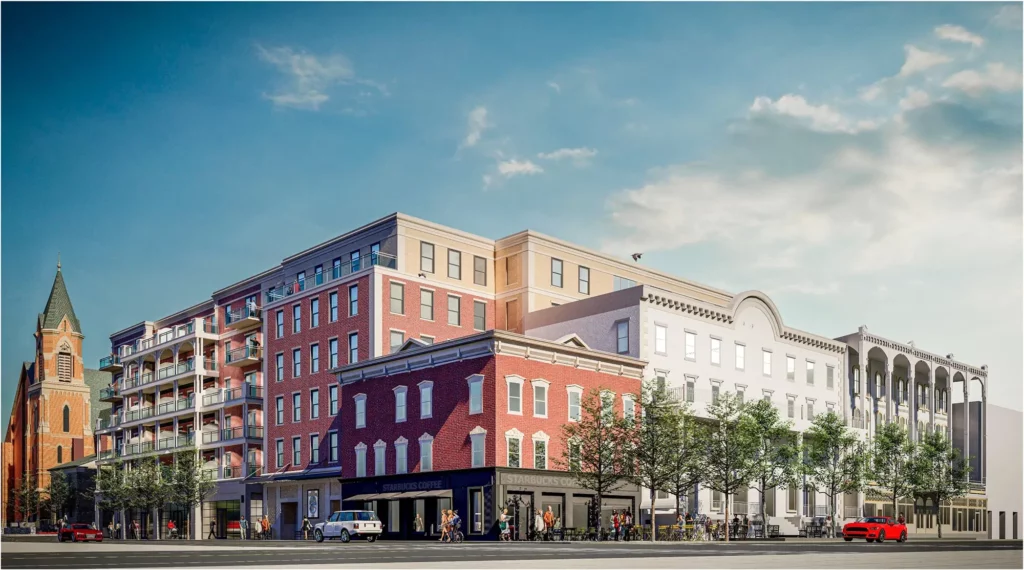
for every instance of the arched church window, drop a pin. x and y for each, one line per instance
(60, 455)
(67, 419)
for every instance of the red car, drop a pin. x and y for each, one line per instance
(875, 529)
(79, 532)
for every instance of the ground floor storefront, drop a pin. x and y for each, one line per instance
(287, 500)
(410, 506)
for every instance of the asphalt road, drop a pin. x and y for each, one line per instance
(990, 554)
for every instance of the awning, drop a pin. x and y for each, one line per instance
(374, 497)
(438, 493)
(406, 495)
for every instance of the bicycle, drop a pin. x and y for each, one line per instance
(455, 535)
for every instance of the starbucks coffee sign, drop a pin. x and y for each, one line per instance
(430, 485)
(522, 479)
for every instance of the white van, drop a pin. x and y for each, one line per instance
(347, 525)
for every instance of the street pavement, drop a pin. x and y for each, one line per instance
(420, 555)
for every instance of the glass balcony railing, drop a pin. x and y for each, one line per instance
(243, 353)
(110, 361)
(213, 398)
(175, 442)
(175, 406)
(108, 393)
(211, 436)
(176, 369)
(138, 448)
(208, 325)
(242, 314)
(337, 272)
(138, 414)
(246, 391)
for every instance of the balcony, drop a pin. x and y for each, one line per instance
(108, 423)
(175, 370)
(110, 394)
(107, 455)
(111, 363)
(207, 326)
(176, 442)
(317, 279)
(138, 414)
(244, 319)
(212, 398)
(138, 448)
(246, 392)
(181, 404)
(244, 356)
(233, 435)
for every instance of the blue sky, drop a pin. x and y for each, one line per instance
(861, 163)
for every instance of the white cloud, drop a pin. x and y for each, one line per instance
(919, 60)
(579, 156)
(513, 167)
(915, 99)
(871, 92)
(477, 124)
(555, 86)
(1009, 17)
(309, 76)
(819, 117)
(995, 77)
(958, 34)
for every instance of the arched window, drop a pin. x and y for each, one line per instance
(60, 455)
(67, 419)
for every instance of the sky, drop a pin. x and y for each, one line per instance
(858, 162)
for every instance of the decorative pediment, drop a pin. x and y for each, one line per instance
(573, 340)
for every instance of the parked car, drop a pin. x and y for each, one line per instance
(79, 532)
(346, 525)
(875, 529)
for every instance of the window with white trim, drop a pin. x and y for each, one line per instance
(296, 318)
(575, 403)
(426, 257)
(279, 449)
(716, 351)
(296, 407)
(454, 264)
(332, 392)
(380, 457)
(314, 313)
(353, 300)
(790, 368)
(360, 400)
(513, 445)
(296, 451)
(477, 439)
(332, 441)
(314, 448)
(426, 399)
(314, 403)
(810, 373)
(296, 362)
(584, 273)
(426, 453)
(790, 408)
(397, 340)
(540, 399)
(361, 460)
(628, 408)
(479, 315)
(690, 389)
(766, 362)
(332, 302)
(540, 450)
(397, 300)
(714, 393)
(556, 272)
(426, 304)
(691, 346)
(401, 455)
(454, 311)
(280, 410)
(476, 394)
(280, 324)
(353, 347)
(332, 348)
(400, 400)
(622, 337)
(314, 358)
(515, 394)
(741, 353)
(479, 270)
(661, 339)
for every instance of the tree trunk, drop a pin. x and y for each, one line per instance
(654, 522)
(727, 517)
(832, 505)
(764, 516)
(938, 517)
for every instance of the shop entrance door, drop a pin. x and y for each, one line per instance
(520, 511)
(289, 518)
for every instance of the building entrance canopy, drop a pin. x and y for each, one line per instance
(438, 493)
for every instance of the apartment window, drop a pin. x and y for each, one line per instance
(336, 268)
(397, 340)
(513, 444)
(791, 496)
(318, 275)
(479, 315)
(426, 399)
(556, 272)
(353, 260)
(584, 280)
(790, 408)
(279, 445)
(810, 410)
(716, 351)
(622, 337)
(401, 456)
(790, 368)
(766, 362)
(739, 396)
(661, 339)
(296, 318)
(296, 451)
(540, 399)
(353, 300)
(280, 324)
(628, 407)
(830, 372)
(540, 454)
(714, 394)
(741, 352)
(476, 394)
(477, 439)
(400, 394)
(454, 316)
(360, 401)
(300, 277)
(426, 304)
(332, 348)
(427, 339)
(361, 460)
(314, 313)
(332, 395)
(280, 410)
(426, 257)
(296, 407)
(479, 270)
(353, 347)
(691, 345)
(279, 362)
(380, 451)
(454, 264)
(620, 283)
(314, 358)
(575, 397)
(374, 253)
(689, 391)
(426, 453)
(332, 443)
(314, 403)
(332, 300)
(810, 373)
(515, 395)
(397, 298)
(314, 448)
(296, 363)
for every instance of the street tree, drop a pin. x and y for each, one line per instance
(941, 474)
(190, 484)
(58, 493)
(148, 482)
(833, 460)
(652, 439)
(685, 461)
(27, 496)
(890, 468)
(777, 459)
(729, 448)
(592, 451)
(114, 488)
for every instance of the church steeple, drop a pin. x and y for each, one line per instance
(58, 305)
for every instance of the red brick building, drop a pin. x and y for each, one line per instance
(473, 424)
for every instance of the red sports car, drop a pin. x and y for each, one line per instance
(79, 532)
(875, 529)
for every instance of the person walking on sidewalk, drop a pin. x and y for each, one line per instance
(213, 530)
(549, 523)
(306, 527)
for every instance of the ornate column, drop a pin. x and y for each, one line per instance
(967, 418)
(911, 405)
(862, 373)
(983, 452)
(931, 399)
(888, 390)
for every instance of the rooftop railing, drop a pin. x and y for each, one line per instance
(206, 324)
(319, 278)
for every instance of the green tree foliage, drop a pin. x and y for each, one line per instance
(27, 496)
(149, 485)
(833, 459)
(777, 460)
(113, 485)
(58, 493)
(686, 460)
(190, 484)
(940, 474)
(891, 464)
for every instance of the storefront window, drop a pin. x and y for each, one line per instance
(393, 516)
(476, 509)
(442, 505)
(420, 510)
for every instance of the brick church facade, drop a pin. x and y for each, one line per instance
(55, 405)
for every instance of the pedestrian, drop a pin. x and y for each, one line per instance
(306, 527)
(110, 529)
(213, 530)
(503, 526)
(265, 525)
(616, 524)
(901, 520)
(417, 524)
(629, 524)
(549, 522)
(538, 525)
(117, 529)
(243, 527)
(444, 525)
(172, 531)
